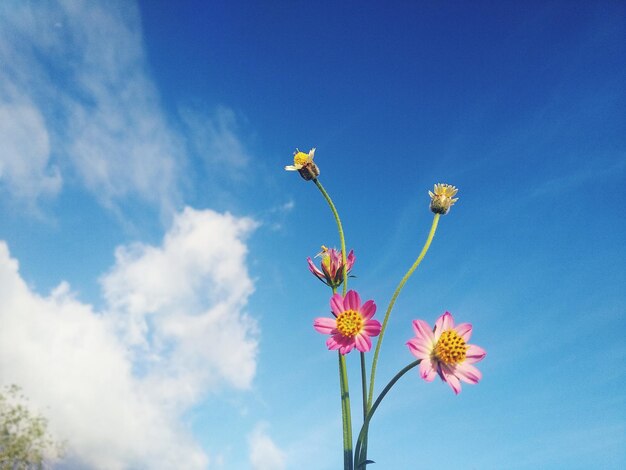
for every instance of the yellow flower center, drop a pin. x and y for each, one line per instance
(349, 323)
(300, 158)
(450, 348)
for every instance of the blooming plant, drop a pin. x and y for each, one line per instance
(352, 326)
(331, 272)
(443, 350)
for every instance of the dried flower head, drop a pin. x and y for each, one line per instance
(303, 164)
(441, 200)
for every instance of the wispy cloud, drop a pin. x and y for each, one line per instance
(264, 453)
(25, 169)
(81, 69)
(275, 216)
(78, 106)
(116, 383)
(215, 140)
(576, 178)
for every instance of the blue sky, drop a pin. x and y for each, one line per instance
(155, 302)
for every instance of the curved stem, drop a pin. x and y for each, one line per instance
(360, 461)
(346, 417)
(406, 277)
(341, 236)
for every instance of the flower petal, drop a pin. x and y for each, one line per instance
(363, 342)
(427, 370)
(455, 384)
(334, 257)
(468, 373)
(474, 354)
(419, 349)
(325, 325)
(314, 269)
(339, 340)
(332, 344)
(352, 301)
(368, 309)
(423, 331)
(464, 330)
(336, 304)
(448, 376)
(372, 327)
(345, 349)
(444, 322)
(350, 260)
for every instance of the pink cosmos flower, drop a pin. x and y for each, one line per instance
(444, 350)
(331, 273)
(352, 326)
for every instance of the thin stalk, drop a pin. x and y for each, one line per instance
(341, 236)
(360, 460)
(364, 392)
(345, 414)
(406, 277)
(364, 384)
(346, 417)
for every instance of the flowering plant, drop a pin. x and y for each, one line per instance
(443, 350)
(331, 272)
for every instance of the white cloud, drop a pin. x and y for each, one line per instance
(215, 140)
(264, 453)
(118, 399)
(191, 291)
(82, 66)
(288, 206)
(74, 77)
(25, 153)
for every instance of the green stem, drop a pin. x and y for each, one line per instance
(406, 277)
(340, 229)
(364, 384)
(346, 417)
(345, 414)
(360, 460)
(364, 392)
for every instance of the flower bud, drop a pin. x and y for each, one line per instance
(441, 200)
(330, 271)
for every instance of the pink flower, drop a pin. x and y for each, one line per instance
(352, 326)
(445, 351)
(331, 273)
